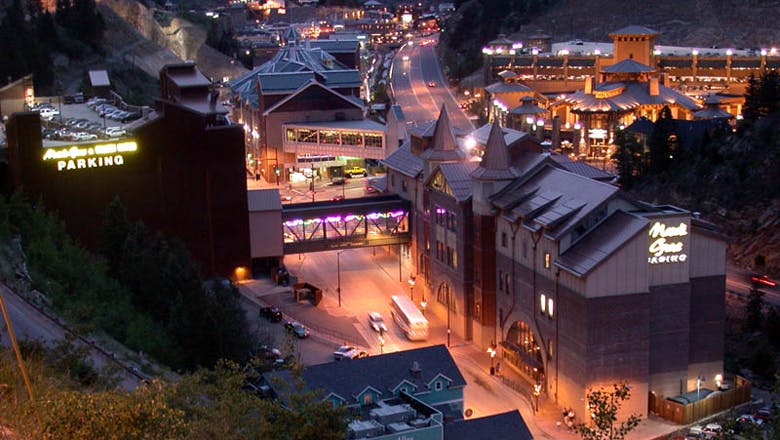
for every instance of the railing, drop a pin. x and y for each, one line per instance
(685, 414)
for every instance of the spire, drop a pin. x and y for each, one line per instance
(495, 162)
(444, 147)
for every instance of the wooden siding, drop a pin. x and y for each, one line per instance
(708, 255)
(623, 272)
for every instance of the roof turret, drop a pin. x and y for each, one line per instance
(495, 162)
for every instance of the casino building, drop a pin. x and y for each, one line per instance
(180, 171)
(576, 284)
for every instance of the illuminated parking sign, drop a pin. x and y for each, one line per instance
(79, 157)
(666, 243)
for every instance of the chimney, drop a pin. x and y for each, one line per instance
(588, 85)
(213, 96)
(416, 371)
(654, 89)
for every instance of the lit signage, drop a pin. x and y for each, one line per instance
(79, 157)
(666, 245)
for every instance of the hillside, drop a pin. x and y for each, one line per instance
(699, 23)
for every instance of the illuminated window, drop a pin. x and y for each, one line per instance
(367, 398)
(290, 133)
(546, 260)
(373, 140)
(352, 139)
(306, 135)
(329, 137)
(550, 307)
(543, 303)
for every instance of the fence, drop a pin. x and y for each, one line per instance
(714, 403)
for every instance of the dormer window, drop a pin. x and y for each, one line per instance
(437, 386)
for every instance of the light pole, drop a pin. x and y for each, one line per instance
(449, 329)
(381, 345)
(338, 274)
(423, 306)
(492, 352)
(412, 281)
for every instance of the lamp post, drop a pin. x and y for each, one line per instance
(338, 274)
(537, 392)
(412, 281)
(423, 306)
(449, 329)
(381, 345)
(492, 352)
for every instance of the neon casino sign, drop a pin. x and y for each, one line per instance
(666, 244)
(91, 156)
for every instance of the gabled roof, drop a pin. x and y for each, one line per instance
(505, 426)
(444, 146)
(387, 370)
(601, 242)
(458, 178)
(632, 95)
(404, 161)
(527, 107)
(502, 87)
(311, 83)
(642, 126)
(582, 168)
(552, 198)
(628, 66)
(511, 136)
(495, 162)
(634, 30)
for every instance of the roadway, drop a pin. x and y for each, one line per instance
(409, 80)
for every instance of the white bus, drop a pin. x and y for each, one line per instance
(409, 318)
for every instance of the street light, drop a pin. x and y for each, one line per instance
(423, 306)
(412, 281)
(338, 273)
(492, 352)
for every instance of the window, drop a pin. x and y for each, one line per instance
(367, 399)
(550, 307)
(437, 386)
(351, 138)
(500, 280)
(506, 284)
(305, 135)
(546, 260)
(373, 140)
(329, 137)
(503, 239)
(403, 185)
(543, 303)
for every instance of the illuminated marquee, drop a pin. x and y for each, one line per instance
(664, 250)
(93, 156)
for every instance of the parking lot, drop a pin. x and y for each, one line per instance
(89, 121)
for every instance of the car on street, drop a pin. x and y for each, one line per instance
(271, 313)
(759, 280)
(343, 351)
(431, 83)
(297, 329)
(337, 198)
(708, 431)
(406, 58)
(338, 181)
(370, 189)
(376, 322)
(356, 171)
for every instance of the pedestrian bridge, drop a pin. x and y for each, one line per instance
(349, 223)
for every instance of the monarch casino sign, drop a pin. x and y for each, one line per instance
(668, 243)
(79, 157)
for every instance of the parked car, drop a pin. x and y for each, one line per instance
(376, 322)
(356, 171)
(708, 431)
(343, 351)
(298, 329)
(115, 132)
(82, 136)
(338, 181)
(271, 313)
(48, 113)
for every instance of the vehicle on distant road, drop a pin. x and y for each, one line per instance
(343, 352)
(271, 313)
(356, 171)
(431, 83)
(297, 329)
(376, 322)
(406, 58)
(762, 280)
(409, 318)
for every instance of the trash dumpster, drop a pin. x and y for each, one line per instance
(306, 291)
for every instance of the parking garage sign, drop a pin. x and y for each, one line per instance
(100, 155)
